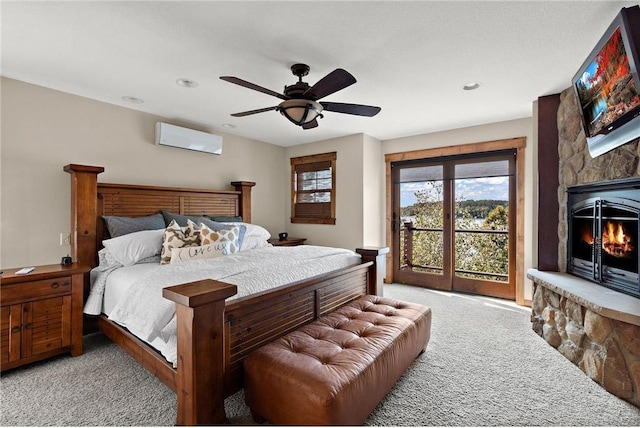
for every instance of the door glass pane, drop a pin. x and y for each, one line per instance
(481, 238)
(421, 237)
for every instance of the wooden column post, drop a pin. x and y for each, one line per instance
(244, 187)
(377, 255)
(84, 212)
(548, 182)
(201, 357)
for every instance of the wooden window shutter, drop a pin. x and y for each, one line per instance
(313, 189)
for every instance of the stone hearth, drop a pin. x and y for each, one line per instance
(595, 328)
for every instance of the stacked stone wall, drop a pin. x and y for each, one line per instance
(578, 167)
(607, 350)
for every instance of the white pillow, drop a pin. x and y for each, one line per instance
(253, 242)
(252, 230)
(129, 249)
(210, 251)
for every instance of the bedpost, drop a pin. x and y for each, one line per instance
(201, 356)
(244, 187)
(376, 272)
(84, 198)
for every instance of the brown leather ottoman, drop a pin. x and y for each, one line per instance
(335, 370)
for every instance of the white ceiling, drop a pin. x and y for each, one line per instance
(410, 58)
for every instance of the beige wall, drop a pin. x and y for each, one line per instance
(43, 130)
(374, 188)
(475, 134)
(359, 193)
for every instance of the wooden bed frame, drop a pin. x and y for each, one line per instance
(213, 337)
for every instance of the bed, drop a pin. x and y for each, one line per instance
(213, 336)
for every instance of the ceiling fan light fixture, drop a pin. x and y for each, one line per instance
(300, 111)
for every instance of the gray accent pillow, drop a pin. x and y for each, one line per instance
(182, 220)
(118, 226)
(229, 218)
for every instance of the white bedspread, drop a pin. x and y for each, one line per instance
(144, 312)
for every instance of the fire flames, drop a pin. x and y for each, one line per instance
(615, 241)
(586, 236)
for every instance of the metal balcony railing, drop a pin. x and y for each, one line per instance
(408, 238)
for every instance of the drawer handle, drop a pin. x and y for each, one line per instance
(55, 285)
(16, 329)
(29, 326)
(66, 284)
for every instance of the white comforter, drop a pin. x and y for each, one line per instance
(144, 312)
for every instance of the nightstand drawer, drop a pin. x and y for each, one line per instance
(14, 293)
(50, 324)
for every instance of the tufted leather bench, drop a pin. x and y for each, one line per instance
(335, 370)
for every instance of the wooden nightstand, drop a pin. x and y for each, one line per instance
(41, 313)
(289, 242)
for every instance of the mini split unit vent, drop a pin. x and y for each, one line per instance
(184, 138)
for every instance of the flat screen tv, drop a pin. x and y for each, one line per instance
(607, 85)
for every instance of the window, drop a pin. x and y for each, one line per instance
(313, 189)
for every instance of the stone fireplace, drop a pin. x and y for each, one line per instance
(595, 327)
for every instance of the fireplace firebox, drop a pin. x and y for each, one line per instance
(604, 234)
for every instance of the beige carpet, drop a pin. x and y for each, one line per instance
(484, 366)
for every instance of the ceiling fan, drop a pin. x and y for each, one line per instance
(300, 101)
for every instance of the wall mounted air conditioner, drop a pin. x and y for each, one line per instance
(184, 138)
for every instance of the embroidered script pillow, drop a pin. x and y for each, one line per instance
(210, 251)
(231, 235)
(178, 237)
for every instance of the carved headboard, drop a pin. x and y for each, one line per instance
(91, 200)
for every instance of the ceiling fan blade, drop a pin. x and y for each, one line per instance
(357, 109)
(247, 113)
(253, 86)
(333, 82)
(310, 125)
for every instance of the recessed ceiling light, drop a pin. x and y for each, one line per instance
(471, 86)
(228, 125)
(187, 83)
(133, 100)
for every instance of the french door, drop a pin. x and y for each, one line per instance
(453, 223)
